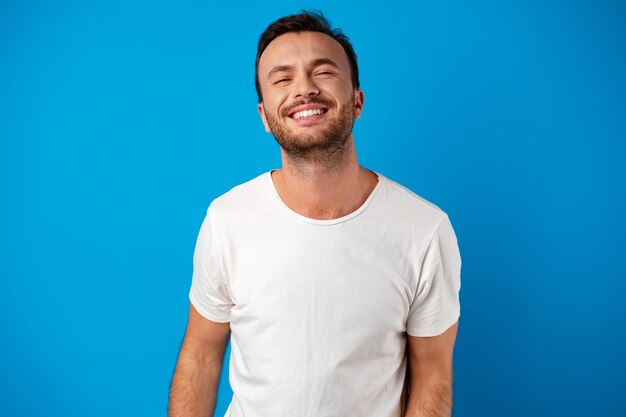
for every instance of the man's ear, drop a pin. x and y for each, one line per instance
(261, 110)
(358, 102)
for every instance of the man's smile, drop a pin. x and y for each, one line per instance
(307, 113)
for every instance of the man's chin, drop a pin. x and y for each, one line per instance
(305, 136)
(303, 144)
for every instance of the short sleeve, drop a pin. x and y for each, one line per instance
(209, 292)
(436, 306)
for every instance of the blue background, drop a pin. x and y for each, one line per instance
(120, 121)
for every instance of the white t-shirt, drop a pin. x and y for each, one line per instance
(319, 309)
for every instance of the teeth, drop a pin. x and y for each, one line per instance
(307, 113)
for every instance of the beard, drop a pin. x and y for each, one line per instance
(325, 144)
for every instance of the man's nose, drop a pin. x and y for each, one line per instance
(305, 87)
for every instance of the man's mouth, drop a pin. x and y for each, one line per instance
(308, 113)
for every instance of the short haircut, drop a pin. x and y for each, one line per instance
(306, 21)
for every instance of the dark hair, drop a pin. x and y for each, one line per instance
(307, 21)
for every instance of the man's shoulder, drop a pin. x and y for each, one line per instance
(240, 197)
(241, 201)
(412, 197)
(405, 205)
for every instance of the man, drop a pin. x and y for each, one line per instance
(327, 277)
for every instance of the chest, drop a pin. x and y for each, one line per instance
(323, 281)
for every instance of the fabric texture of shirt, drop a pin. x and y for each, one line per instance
(319, 310)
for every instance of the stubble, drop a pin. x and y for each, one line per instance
(327, 148)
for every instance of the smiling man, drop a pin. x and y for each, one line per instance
(337, 287)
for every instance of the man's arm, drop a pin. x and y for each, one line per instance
(430, 374)
(194, 387)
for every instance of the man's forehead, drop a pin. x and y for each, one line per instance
(294, 45)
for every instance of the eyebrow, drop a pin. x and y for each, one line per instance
(324, 61)
(315, 63)
(279, 68)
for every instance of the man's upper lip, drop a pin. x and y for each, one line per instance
(310, 106)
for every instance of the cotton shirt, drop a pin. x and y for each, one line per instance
(319, 310)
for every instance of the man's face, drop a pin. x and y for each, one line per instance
(309, 102)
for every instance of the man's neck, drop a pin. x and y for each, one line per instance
(324, 191)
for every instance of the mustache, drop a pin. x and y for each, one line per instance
(323, 102)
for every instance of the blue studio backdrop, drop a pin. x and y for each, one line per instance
(120, 121)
